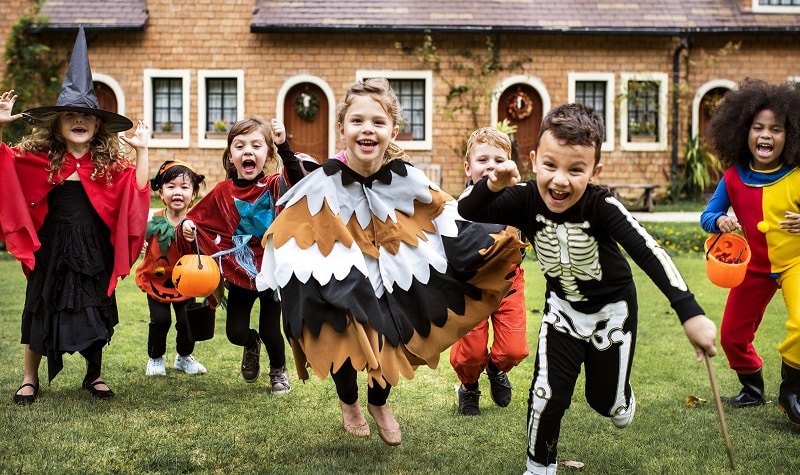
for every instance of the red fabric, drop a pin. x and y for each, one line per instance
(217, 218)
(122, 206)
(470, 355)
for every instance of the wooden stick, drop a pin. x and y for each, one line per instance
(718, 402)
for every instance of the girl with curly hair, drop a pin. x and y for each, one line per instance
(73, 210)
(756, 133)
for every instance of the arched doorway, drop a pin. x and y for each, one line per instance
(106, 98)
(522, 105)
(305, 112)
(708, 104)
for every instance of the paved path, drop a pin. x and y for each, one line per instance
(675, 216)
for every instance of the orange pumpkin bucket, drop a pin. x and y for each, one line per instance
(196, 275)
(727, 256)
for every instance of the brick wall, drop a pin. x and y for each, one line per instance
(206, 34)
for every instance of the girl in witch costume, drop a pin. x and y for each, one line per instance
(375, 267)
(178, 184)
(73, 210)
(229, 222)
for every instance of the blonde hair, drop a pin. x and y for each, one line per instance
(489, 136)
(245, 126)
(108, 151)
(380, 90)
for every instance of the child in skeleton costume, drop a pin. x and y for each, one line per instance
(376, 270)
(590, 315)
(756, 133)
(229, 222)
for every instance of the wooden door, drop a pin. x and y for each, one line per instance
(521, 104)
(305, 113)
(106, 98)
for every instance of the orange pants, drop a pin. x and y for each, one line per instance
(469, 355)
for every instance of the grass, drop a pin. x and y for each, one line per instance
(216, 423)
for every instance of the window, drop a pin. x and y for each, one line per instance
(596, 90)
(168, 104)
(414, 90)
(776, 6)
(220, 97)
(643, 107)
(166, 107)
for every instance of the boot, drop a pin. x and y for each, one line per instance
(752, 393)
(789, 398)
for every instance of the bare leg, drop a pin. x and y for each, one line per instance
(31, 371)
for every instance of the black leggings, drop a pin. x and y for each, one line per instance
(347, 387)
(161, 321)
(237, 328)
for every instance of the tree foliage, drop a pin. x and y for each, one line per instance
(31, 70)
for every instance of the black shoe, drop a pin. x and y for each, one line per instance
(251, 362)
(500, 387)
(789, 398)
(468, 401)
(98, 393)
(27, 398)
(744, 399)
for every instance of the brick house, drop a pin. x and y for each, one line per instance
(653, 67)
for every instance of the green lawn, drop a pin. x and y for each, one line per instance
(216, 423)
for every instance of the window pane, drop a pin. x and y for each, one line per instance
(643, 108)
(593, 94)
(168, 104)
(411, 95)
(221, 100)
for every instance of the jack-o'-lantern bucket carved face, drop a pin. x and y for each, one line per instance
(196, 275)
(727, 257)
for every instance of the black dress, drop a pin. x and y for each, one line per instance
(67, 306)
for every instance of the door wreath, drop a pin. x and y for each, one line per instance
(520, 106)
(307, 105)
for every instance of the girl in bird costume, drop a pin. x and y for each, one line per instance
(376, 269)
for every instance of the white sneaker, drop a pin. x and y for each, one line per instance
(156, 367)
(188, 365)
(624, 417)
(279, 379)
(534, 468)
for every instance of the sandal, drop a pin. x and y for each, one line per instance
(25, 399)
(98, 393)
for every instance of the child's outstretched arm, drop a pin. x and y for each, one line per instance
(504, 175)
(702, 334)
(278, 131)
(7, 100)
(139, 143)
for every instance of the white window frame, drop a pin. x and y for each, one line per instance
(427, 76)
(185, 76)
(788, 9)
(202, 111)
(663, 86)
(608, 143)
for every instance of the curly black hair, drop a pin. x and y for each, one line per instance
(730, 126)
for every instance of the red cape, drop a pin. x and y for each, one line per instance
(123, 206)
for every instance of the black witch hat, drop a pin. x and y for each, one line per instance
(77, 93)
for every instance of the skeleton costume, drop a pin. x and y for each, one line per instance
(590, 314)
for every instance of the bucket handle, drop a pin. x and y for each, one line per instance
(197, 245)
(719, 235)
